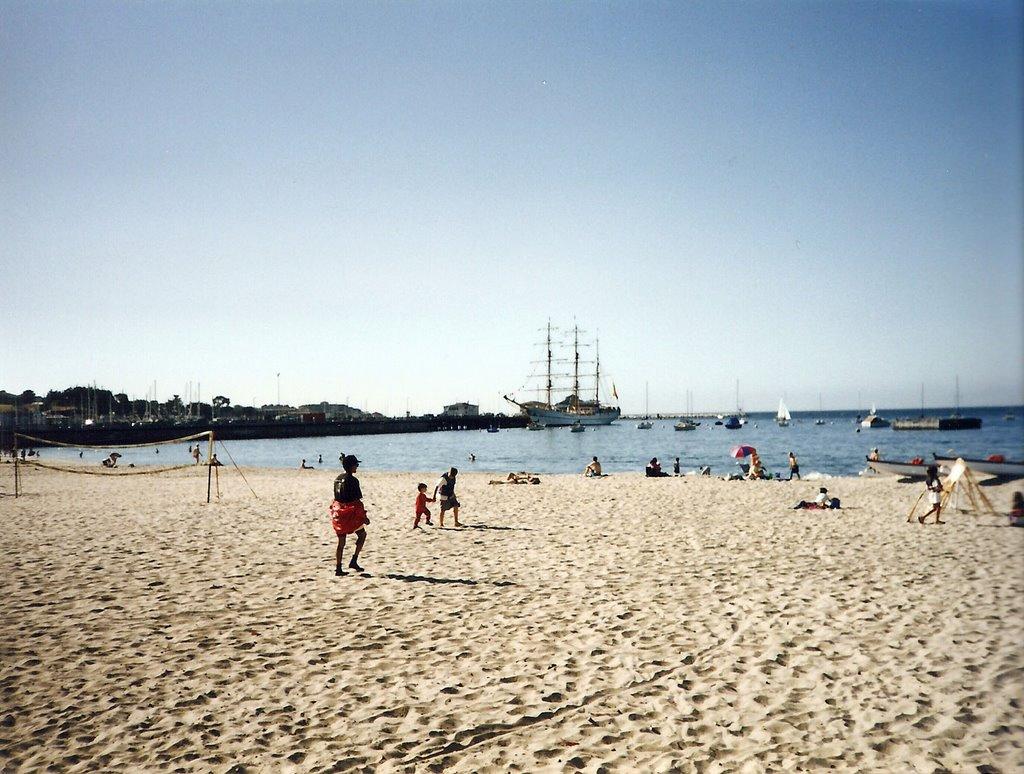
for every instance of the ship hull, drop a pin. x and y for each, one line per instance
(553, 418)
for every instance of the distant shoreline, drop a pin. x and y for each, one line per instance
(113, 435)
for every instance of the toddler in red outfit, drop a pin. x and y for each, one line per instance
(421, 505)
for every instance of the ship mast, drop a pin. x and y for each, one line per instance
(597, 373)
(576, 368)
(549, 363)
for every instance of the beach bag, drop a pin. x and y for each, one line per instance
(834, 503)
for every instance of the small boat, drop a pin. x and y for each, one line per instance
(492, 429)
(782, 417)
(915, 468)
(535, 426)
(820, 410)
(686, 424)
(1009, 417)
(645, 423)
(993, 466)
(873, 421)
(577, 427)
(732, 423)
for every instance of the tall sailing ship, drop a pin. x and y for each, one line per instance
(582, 405)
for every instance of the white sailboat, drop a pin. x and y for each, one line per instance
(783, 417)
(645, 423)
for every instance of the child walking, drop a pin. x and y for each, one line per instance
(421, 505)
(348, 514)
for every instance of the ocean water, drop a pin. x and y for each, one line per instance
(833, 449)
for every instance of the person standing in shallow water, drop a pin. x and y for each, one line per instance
(348, 515)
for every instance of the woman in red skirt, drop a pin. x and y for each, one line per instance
(347, 513)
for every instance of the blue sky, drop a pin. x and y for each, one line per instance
(385, 202)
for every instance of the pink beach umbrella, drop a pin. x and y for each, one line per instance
(742, 451)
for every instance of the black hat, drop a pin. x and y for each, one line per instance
(350, 459)
(823, 490)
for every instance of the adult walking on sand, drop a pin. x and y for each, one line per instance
(448, 501)
(934, 487)
(348, 514)
(794, 467)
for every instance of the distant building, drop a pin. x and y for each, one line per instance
(461, 410)
(332, 411)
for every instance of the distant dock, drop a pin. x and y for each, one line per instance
(937, 423)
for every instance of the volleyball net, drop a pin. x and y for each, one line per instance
(109, 466)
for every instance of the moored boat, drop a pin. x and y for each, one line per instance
(572, 409)
(915, 468)
(686, 424)
(874, 422)
(732, 423)
(783, 417)
(993, 466)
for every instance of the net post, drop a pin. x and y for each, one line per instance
(16, 476)
(209, 465)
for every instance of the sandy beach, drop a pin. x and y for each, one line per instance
(620, 624)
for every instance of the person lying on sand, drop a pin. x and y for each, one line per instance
(522, 477)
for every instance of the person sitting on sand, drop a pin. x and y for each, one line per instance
(756, 470)
(593, 470)
(821, 502)
(1017, 510)
(348, 514)
(111, 461)
(449, 502)
(653, 469)
(304, 466)
(421, 505)
(934, 491)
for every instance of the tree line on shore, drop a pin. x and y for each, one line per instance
(96, 402)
